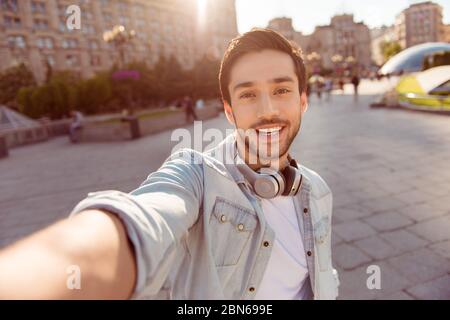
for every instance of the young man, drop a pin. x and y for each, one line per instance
(241, 221)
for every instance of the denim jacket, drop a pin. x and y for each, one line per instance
(199, 232)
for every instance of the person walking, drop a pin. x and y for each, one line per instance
(75, 126)
(355, 82)
(189, 109)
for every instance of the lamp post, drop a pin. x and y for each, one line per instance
(119, 37)
(337, 61)
(314, 59)
(350, 61)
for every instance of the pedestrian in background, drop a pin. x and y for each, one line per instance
(75, 126)
(355, 82)
(189, 109)
(328, 88)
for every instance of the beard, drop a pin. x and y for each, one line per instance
(264, 153)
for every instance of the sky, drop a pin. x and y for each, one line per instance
(306, 14)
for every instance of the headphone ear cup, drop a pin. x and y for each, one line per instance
(289, 174)
(266, 186)
(280, 179)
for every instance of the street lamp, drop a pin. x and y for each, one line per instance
(314, 59)
(119, 37)
(337, 60)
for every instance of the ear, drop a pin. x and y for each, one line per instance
(228, 112)
(303, 102)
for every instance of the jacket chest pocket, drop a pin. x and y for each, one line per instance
(231, 227)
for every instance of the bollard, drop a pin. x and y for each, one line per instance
(134, 127)
(3, 147)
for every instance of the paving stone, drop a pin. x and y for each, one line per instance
(437, 289)
(442, 248)
(353, 230)
(335, 239)
(387, 203)
(433, 230)
(420, 212)
(403, 240)
(421, 265)
(399, 295)
(350, 212)
(354, 282)
(376, 247)
(413, 196)
(388, 221)
(347, 256)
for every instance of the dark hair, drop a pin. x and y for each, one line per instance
(256, 40)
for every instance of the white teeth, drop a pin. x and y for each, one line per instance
(270, 130)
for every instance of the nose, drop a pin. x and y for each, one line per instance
(267, 108)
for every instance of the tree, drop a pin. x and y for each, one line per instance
(389, 49)
(12, 80)
(206, 77)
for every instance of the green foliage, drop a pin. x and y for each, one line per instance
(164, 82)
(12, 80)
(389, 49)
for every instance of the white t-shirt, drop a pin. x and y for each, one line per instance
(286, 271)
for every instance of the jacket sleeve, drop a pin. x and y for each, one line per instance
(156, 215)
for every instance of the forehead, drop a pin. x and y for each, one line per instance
(262, 66)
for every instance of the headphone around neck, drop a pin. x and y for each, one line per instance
(269, 183)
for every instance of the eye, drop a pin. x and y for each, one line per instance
(282, 91)
(247, 95)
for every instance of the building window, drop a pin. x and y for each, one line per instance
(124, 20)
(37, 7)
(44, 42)
(40, 24)
(12, 22)
(93, 44)
(95, 60)
(17, 42)
(69, 43)
(71, 60)
(88, 29)
(9, 5)
(49, 59)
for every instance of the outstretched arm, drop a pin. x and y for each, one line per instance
(91, 248)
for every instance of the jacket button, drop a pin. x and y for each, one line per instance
(223, 218)
(309, 253)
(240, 227)
(305, 210)
(266, 243)
(251, 289)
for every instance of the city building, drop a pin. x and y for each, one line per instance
(35, 32)
(419, 23)
(378, 36)
(446, 33)
(343, 37)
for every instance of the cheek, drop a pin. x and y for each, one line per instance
(245, 116)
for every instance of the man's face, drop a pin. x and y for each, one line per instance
(265, 100)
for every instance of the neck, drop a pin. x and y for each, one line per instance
(278, 163)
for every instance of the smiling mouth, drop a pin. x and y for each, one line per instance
(269, 131)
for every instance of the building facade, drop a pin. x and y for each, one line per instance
(342, 37)
(35, 32)
(420, 23)
(380, 35)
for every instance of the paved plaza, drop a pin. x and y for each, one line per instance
(389, 171)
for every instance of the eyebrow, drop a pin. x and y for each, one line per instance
(248, 84)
